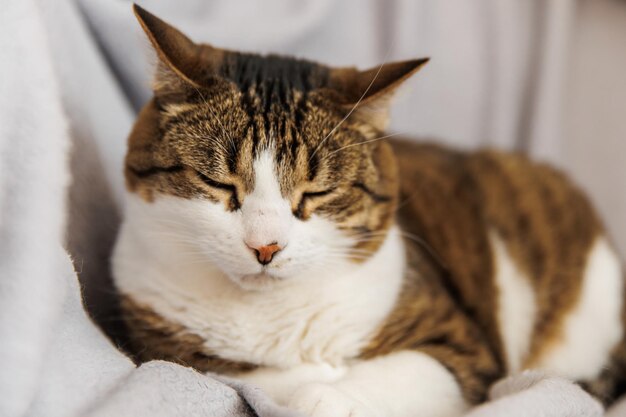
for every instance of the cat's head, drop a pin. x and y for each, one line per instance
(269, 167)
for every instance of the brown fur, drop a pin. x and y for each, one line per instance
(199, 135)
(153, 337)
(214, 110)
(452, 200)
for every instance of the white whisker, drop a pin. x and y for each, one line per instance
(351, 110)
(364, 142)
(216, 117)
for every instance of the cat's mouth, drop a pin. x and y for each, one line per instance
(259, 280)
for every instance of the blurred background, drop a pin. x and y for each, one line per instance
(544, 77)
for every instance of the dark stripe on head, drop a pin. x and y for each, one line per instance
(232, 157)
(269, 83)
(143, 173)
(294, 145)
(314, 163)
(300, 111)
(247, 102)
(282, 73)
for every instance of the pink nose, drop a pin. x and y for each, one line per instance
(265, 253)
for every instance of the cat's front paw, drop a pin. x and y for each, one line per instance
(322, 400)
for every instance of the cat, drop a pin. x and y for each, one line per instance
(274, 233)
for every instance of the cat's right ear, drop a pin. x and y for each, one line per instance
(181, 61)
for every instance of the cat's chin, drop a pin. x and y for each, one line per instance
(259, 281)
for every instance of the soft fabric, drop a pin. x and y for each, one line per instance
(54, 360)
(535, 394)
(63, 120)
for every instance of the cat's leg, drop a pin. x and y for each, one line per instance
(400, 384)
(280, 384)
(591, 346)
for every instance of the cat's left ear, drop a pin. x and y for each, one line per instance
(368, 93)
(181, 62)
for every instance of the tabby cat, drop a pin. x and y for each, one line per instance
(274, 235)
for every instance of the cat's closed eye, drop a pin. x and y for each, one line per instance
(299, 212)
(232, 189)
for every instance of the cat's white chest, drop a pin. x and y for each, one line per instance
(322, 319)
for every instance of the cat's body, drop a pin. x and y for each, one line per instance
(378, 293)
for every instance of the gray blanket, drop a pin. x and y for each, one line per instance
(63, 115)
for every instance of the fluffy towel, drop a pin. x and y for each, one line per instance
(54, 360)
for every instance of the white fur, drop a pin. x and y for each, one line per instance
(266, 215)
(401, 384)
(187, 260)
(517, 306)
(320, 318)
(179, 231)
(594, 327)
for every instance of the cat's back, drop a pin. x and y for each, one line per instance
(522, 249)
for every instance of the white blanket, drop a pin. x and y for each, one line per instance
(61, 144)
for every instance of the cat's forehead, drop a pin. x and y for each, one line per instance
(268, 97)
(273, 75)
